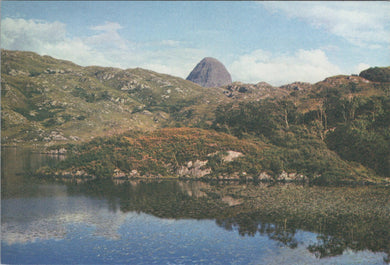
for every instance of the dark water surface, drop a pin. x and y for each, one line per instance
(178, 222)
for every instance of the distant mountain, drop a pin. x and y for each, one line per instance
(210, 73)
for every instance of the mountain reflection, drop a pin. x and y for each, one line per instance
(355, 218)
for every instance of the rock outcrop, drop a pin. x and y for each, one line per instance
(194, 169)
(210, 73)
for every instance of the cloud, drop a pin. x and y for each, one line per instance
(20, 33)
(360, 67)
(49, 38)
(105, 47)
(108, 37)
(177, 61)
(278, 69)
(108, 26)
(364, 24)
(171, 43)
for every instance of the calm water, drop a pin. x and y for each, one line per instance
(174, 222)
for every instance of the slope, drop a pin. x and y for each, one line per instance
(45, 99)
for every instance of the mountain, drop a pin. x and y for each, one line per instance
(332, 131)
(46, 100)
(320, 134)
(210, 73)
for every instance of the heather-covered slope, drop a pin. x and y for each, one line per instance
(205, 154)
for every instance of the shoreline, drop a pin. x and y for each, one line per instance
(124, 180)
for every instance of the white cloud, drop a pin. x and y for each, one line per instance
(20, 33)
(361, 23)
(278, 69)
(177, 61)
(49, 38)
(106, 47)
(108, 26)
(171, 43)
(77, 51)
(360, 67)
(108, 38)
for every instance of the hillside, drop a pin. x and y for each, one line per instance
(346, 114)
(336, 130)
(202, 154)
(377, 74)
(45, 100)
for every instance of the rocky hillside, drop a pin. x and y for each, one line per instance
(252, 92)
(334, 130)
(210, 73)
(48, 100)
(45, 99)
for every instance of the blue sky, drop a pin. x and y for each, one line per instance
(275, 42)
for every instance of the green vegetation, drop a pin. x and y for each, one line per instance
(296, 145)
(90, 97)
(351, 119)
(366, 138)
(204, 154)
(162, 153)
(377, 74)
(332, 132)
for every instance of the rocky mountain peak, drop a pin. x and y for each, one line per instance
(210, 73)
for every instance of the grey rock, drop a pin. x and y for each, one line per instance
(194, 169)
(210, 73)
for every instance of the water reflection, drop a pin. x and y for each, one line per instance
(16, 165)
(279, 223)
(46, 220)
(355, 218)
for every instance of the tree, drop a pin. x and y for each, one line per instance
(276, 166)
(288, 111)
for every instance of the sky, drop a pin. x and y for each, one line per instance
(273, 42)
